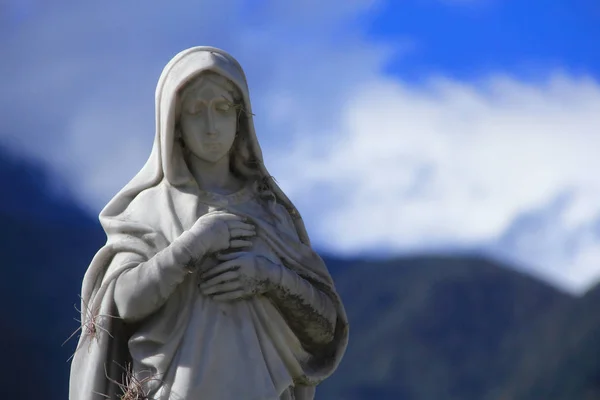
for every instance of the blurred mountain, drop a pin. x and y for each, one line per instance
(421, 327)
(45, 243)
(562, 359)
(437, 328)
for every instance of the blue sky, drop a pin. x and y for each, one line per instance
(395, 126)
(466, 39)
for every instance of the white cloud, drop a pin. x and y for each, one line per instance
(371, 161)
(454, 165)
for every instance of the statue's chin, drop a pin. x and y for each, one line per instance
(211, 157)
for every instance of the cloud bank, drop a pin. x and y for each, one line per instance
(498, 165)
(374, 163)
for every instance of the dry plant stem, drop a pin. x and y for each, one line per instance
(131, 387)
(90, 327)
(239, 107)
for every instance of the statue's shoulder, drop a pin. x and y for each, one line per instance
(145, 204)
(151, 195)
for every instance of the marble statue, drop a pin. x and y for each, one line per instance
(207, 287)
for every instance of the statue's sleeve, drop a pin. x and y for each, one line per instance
(309, 310)
(318, 312)
(144, 286)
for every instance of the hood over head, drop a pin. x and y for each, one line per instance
(166, 159)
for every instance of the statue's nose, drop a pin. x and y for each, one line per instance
(210, 124)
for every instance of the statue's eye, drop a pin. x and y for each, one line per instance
(195, 108)
(223, 107)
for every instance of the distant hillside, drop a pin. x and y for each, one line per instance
(436, 328)
(561, 354)
(421, 328)
(45, 244)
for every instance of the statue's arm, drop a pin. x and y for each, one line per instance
(144, 288)
(308, 311)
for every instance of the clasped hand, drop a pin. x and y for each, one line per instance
(217, 231)
(240, 275)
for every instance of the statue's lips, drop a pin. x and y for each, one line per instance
(211, 145)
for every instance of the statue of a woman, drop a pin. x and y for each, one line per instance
(207, 287)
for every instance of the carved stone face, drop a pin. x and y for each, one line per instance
(208, 118)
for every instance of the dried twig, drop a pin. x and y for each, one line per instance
(239, 107)
(91, 325)
(131, 387)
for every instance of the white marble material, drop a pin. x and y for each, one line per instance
(207, 287)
